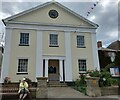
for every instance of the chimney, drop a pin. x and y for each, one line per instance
(99, 44)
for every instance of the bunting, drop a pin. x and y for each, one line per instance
(93, 7)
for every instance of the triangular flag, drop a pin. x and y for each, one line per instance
(94, 4)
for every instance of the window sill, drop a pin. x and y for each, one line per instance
(82, 72)
(23, 44)
(53, 46)
(81, 47)
(21, 73)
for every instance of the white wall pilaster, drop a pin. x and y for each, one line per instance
(6, 55)
(68, 61)
(95, 52)
(39, 60)
(46, 68)
(61, 70)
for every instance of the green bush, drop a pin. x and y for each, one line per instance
(77, 83)
(119, 82)
(94, 73)
(82, 80)
(80, 84)
(114, 81)
(82, 89)
(106, 79)
(107, 68)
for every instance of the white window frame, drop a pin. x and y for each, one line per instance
(80, 46)
(18, 65)
(54, 45)
(24, 43)
(82, 71)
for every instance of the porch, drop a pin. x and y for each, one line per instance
(54, 69)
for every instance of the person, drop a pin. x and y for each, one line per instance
(23, 89)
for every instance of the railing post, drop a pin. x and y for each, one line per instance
(93, 88)
(42, 91)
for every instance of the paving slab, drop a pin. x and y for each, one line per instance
(64, 92)
(68, 92)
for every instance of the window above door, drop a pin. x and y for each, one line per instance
(53, 40)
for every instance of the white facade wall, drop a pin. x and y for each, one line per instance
(38, 50)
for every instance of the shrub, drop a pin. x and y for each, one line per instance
(106, 79)
(82, 80)
(114, 81)
(77, 83)
(82, 89)
(95, 73)
(107, 68)
(119, 82)
(80, 84)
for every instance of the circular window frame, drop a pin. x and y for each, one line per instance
(53, 14)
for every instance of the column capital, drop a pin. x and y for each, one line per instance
(61, 59)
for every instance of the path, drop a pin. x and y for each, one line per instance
(64, 92)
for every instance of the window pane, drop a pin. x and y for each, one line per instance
(22, 65)
(24, 38)
(80, 41)
(53, 39)
(82, 65)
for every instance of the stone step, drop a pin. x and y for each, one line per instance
(56, 84)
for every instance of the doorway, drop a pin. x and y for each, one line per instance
(53, 70)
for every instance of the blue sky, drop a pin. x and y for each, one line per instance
(105, 14)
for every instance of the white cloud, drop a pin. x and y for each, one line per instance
(4, 15)
(105, 3)
(113, 34)
(108, 37)
(92, 18)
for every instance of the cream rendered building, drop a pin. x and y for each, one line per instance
(50, 41)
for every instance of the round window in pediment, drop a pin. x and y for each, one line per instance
(53, 13)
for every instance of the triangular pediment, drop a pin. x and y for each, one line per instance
(41, 14)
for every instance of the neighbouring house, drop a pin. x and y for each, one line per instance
(115, 45)
(107, 55)
(49, 40)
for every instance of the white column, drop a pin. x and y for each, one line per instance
(6, 55)
(95, 52)
(46, 68)
(68, 60)
(39, 60)
(61, 70)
